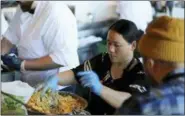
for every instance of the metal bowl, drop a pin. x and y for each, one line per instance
(81, 111)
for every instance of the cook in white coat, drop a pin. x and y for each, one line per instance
(45, 33)
(139, 12)
(4, 24)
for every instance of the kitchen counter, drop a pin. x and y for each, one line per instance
(10, 76)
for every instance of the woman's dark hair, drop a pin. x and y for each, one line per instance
(127, 29)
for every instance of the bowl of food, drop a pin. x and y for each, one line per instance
(67, 103)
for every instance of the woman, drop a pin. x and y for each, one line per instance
(111, 76)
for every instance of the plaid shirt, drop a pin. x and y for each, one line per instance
(166, 99)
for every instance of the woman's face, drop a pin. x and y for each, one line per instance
(118, 48)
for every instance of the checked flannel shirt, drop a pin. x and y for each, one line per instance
(166, 99)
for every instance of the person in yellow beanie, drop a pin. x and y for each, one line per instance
(162, 48)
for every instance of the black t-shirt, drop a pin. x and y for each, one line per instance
(132, 81)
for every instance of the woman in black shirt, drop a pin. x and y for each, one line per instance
(120, 73)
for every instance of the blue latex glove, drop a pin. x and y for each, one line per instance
(50, 83)
(90, 79)
(12, 61)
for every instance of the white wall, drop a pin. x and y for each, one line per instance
(178, 12)
(100, 10)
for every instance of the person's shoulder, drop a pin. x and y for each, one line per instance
(60, 14)
(54, 4)
(156, 99)
(162, 92)
(160, 98)
(58, 6)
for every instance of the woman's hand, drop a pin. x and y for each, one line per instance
(90, 79)
(50, 83)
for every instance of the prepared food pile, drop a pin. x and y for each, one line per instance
(65, 103)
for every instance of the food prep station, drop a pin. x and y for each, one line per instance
(14, 77)
(92, 37)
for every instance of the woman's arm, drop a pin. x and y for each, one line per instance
(114, 98)
(63, 78)
(6, 45)
(66, 78)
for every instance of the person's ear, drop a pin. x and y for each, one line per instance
(150, 65)
(133, 45)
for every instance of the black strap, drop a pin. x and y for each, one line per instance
(129, 65)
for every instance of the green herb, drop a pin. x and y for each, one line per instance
(10, 106)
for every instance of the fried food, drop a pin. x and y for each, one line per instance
(66, 103)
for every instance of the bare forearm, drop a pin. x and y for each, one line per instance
(44, 63)
(67, 78)
(6, 45)
(114, 98)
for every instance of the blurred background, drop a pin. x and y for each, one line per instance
(94, 18)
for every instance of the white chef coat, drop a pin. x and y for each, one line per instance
(4, 24)
(51, 30)
(139, 12)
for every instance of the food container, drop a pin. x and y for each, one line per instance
(24, 90)
(74, 112)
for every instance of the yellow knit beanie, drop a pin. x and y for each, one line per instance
(164, 40)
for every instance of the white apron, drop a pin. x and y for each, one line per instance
(31, 46)
(41, 34)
